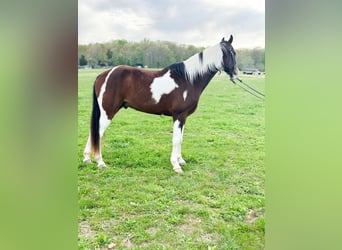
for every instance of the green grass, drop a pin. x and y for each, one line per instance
(138, 202)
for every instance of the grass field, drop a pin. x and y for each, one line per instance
(138, 202)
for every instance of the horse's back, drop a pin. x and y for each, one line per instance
(125, 72)
(114, 77)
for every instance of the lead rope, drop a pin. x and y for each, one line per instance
(249, 88)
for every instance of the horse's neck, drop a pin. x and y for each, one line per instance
(202, 81)
(201, 67)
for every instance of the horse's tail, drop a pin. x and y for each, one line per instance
(94, 124)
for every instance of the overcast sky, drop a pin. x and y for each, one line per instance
(197, 22)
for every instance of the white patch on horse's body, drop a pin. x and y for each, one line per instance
(104, 116)
(211, 60)
(104, 121)
(161, 86)
(185, 94)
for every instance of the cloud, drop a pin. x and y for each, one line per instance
(201, 23)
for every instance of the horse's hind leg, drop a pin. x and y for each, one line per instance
(104, 123)
(87, 151)
(106, 117)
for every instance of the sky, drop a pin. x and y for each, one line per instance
(196, 22)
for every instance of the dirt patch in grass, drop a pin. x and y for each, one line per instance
(84, 230)
(128, 243)
(152, 231)
(253, 215)
(192, 225)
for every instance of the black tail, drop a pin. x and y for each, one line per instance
(94, 124)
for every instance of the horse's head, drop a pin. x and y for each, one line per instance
(228, 60)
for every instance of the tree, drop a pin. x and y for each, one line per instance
(109, 55)
(156, 54)
(251, 58)
(95, 54)
(83, 61)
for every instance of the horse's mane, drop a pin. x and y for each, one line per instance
(209, 60)
(177, 70)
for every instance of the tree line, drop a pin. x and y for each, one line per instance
(154, 54)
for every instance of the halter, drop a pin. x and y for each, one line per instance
(249, 89)
(228, 50)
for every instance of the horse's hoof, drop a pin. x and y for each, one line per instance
(86, 161)
(178, 170)
(101, 165)
(182, 162)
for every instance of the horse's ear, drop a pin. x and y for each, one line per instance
(230, 39)
(222, 40)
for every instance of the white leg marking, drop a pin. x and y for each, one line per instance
(104, 121)
(87, 152)
(185, 94)
(176, 158)
(162, 85)
(180, 158)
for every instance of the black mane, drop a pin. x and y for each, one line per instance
(177, 70)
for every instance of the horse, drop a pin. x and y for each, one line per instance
(172, 91)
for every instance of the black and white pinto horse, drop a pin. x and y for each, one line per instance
(173, 91)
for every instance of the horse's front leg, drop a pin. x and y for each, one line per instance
(176, 156)
(181, 161)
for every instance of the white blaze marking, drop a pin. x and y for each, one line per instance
(185, 94)
(161, 86)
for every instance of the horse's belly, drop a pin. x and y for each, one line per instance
(152, 109)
